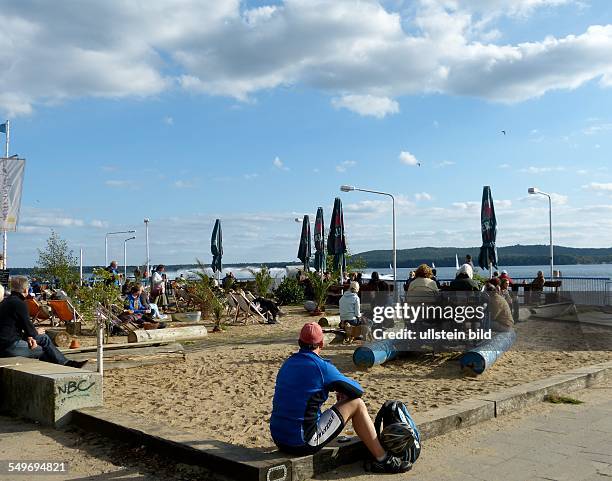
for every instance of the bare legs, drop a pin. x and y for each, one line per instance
(356, 411)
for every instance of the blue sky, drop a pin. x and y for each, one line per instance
(256, 112)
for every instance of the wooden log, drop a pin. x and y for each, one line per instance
(329, 321)
(114, 346)
(59, 337)
(168, 334)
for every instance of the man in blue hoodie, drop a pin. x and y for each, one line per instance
(303, 384)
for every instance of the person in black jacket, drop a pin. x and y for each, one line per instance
(18, 336)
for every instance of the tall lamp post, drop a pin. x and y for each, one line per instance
(106, 242)
(146, 223)
(125, 256)
(351, 188)
(533, 191)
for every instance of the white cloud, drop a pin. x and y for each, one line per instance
(597, 128)
(183, 184)
(582, 172)
(119, 184)
(367, 105)
(168, 120)
(407, 158)
(422, 196)
(250, 176)
(278, 163)
(542, 170)
(343, 166)
(503, 166)
(607, 187)
(356, 51)
(444, 163)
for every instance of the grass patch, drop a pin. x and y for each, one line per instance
(557, 399)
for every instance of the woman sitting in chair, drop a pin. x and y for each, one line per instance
(423, 288)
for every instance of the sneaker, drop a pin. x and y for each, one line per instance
(77, 364)
(391, 465)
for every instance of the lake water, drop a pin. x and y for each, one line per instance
(580, 270)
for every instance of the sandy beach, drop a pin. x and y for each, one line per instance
(224, 388)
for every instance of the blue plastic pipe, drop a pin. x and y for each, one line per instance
(483, 356)
(375, 353)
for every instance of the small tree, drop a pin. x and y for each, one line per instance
(100, 294)
(57, 263)
(320, 288)
(201, 289)
(263, 280)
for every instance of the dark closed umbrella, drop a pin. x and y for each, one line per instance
(216, 246)
(488, 222)
(336, 242)
(305, 249)
(320, 262)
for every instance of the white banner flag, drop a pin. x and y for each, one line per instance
(11, 184)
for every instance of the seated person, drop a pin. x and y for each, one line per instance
(409, 280)
(303, 384)
(19, 337)
(463, 280)
(434, 277)
(422, 288)
(504, 275)
(134, 310)
(504, 288)
(350, 307)
(144, 301)
(538, 283)
(375, 284)
(499, 310)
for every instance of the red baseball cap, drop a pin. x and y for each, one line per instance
(311, 333)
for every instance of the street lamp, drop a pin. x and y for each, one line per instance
(146, 222)
(533, 191)
(106, 242)
(351, 188)
(125, 257)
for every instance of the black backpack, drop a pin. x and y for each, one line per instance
(396, 412)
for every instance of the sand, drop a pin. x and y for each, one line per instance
(224, 388)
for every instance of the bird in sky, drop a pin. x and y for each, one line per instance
(503, 132)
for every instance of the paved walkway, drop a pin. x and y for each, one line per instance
(544, 442)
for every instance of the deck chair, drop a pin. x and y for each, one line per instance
(124, 326)
(64, 311)
(232, 305)
(250, 309)
(36, 311)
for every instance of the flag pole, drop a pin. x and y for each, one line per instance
(6, 154)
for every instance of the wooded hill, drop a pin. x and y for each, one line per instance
(517, 255)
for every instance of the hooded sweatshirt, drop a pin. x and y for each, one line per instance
(349, 306)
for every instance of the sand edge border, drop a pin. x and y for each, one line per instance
(251, 464)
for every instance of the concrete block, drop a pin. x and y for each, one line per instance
(448, 418)
(519, 397)
(235, 461)
(46, 392)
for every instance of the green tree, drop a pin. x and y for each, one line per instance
(320, 288)
(58, 263)
(263, 280)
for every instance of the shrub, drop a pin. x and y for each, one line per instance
(289, 292)
(263, 280)
(320, 288)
